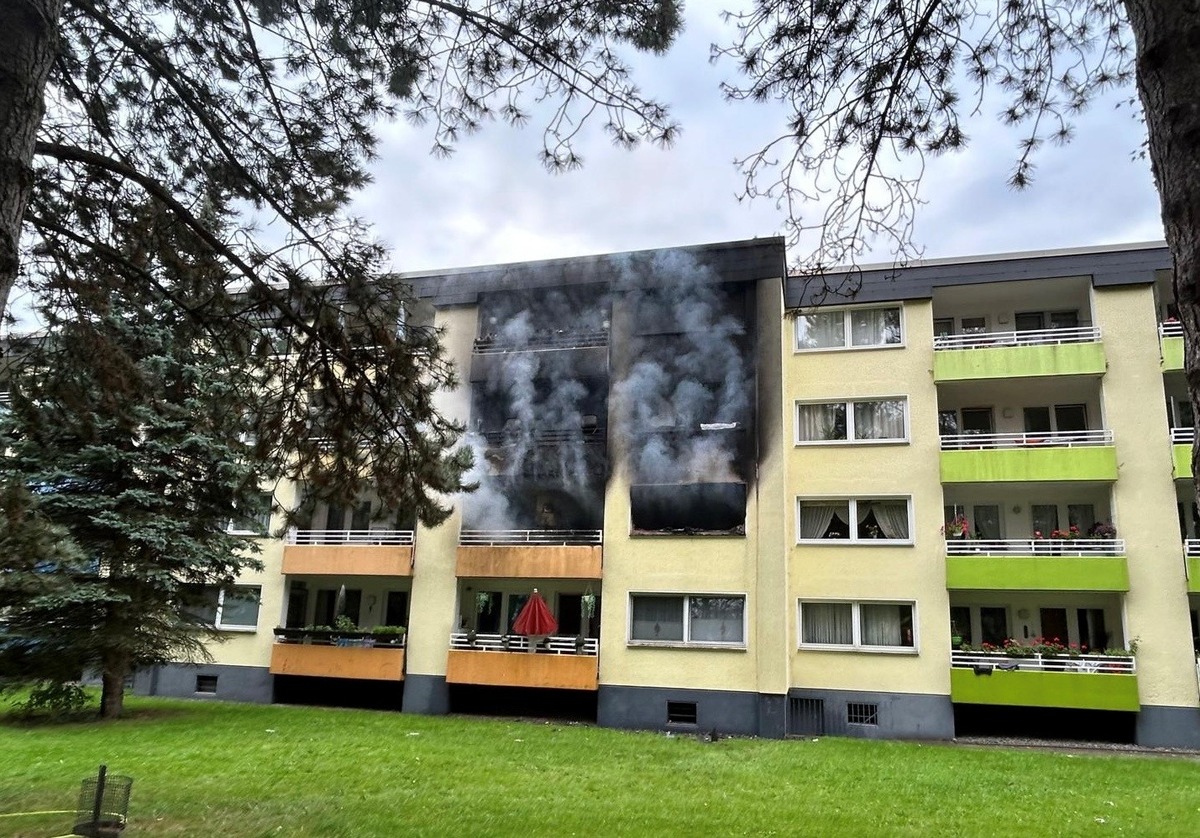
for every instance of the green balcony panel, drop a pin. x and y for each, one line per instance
(1172, 354)
(1037, 573)
(1182, 457)
(1193, 574)
(1074, 691)
(1019, 361)
(996, 465)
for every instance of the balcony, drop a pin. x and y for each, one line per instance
(1191, 549)
(1041, 564)
(1170, 337)
(1182, 440)
(1029, 457)
(326, 658)
(348, 552)
(530, 554)
(1024, 354)
(495, 660)
(1086, 682)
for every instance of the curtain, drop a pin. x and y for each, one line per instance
(822, 330)
(716, 619)
(827, 623)
(886, 625)
(657, 618)
(815, 518)
(879, 419)
(874, 326)
(891, 516)
(819, 422)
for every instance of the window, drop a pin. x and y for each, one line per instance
(977, 420)
(853, 421)
(943, 327)
(854, 519)
(206, 684)
(852, 327)
(693, 619)
(974, 325)
(234, 610)
(254, 519)
(858, 625)
(681, 712)
(862, 714)
(1029, 321)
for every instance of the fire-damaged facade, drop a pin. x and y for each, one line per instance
(710, 496)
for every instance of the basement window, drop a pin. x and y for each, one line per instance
(681, 712)
(206, 684)
(862, 714)
(688, 508)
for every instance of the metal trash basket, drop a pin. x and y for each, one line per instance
(103, 805)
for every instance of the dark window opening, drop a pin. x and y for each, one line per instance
(681, 712)
(862, 714)
(806, 717)
(396, 609)
(206, 684)
(718, 508)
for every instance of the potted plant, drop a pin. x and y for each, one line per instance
(389, 635)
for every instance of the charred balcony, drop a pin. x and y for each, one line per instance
(688, 508)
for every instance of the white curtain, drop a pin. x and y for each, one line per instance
(657, 618)
(891, 516)
(879, 419)
(819, 422)
(886, 625)
(815, 518)
(713, 619)
(822, 330)
(829, 623)
(874, 326)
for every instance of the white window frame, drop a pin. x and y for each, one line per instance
(684, 602)
(245, 629)
(856, 623)
(852, 503)
(264, 523)
(850, 438)
(848, 332)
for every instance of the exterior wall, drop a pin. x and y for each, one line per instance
(1144, 498)
(900, 715)
(645, 708)
(434, 586)
(841, 571)
(251, 684)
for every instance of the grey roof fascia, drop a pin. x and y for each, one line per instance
(740, 261)
(1135, 266)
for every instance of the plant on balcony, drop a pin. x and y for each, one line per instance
(1046, 647)
(960, 528)
(344, 623)
(389, 635)
(1103, 530)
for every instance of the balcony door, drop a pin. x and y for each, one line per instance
(977, 420)
(1054, 625)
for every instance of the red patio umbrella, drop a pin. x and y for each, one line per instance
(535, 620)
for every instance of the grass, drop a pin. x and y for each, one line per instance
(203, 768)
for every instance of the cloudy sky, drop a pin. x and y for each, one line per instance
(493, 202)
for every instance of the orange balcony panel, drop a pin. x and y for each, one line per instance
(521, 669)
(526, 561)
(378, 663)
(348, 559)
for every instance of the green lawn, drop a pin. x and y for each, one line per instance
(244, 770)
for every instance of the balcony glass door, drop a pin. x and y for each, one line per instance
(1054, 624)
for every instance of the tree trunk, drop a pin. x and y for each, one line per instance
(1167, 33)
(28, 44)
(112, 696)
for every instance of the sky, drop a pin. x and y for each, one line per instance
(493, 202)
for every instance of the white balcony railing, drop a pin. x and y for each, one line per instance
(358, 537)
(1045, 439)
(492, 538)
(1183, 436)
(1170, 329)
(1191, 548)
(1083, 664)
(1071, 547)
(1035, 337)
(542, 339)
(555, 645)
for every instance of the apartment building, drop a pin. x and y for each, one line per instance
(827, 521)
